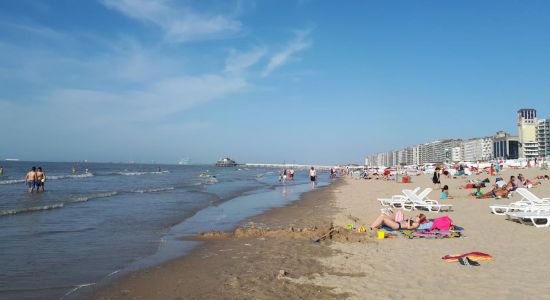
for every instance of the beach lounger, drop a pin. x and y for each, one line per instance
(533, 217)
(531, 198)
(396, 198)
(416, 202)
(528, 202)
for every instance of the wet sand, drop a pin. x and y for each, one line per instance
(250, 264)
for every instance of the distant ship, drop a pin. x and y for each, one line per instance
(184, 161)
(12, 159)
(226, 162)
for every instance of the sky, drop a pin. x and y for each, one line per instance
(323, 82)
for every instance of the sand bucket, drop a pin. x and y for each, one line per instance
(381, 234)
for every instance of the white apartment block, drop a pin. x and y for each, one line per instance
(543, 137)
(456, 154)
(478, 149)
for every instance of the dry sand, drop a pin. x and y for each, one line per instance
(413, 269)
(272, 261)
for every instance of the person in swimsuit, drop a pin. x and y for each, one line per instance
(312, 176)
(30, 179)
(445, 193)
(40, 179)
(411, 223)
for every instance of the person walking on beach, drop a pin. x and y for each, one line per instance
(497, 167)
(313, 176)
(40, 179)
(30, 179)
(492, 170)
(436, 178)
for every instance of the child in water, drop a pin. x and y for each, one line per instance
(445, 193)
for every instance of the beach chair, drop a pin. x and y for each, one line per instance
(397, 201)
(416, 202)
(531, 198)
(395, 198)
(533, 217)
(528, 202)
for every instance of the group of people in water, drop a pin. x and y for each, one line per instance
(35, 179)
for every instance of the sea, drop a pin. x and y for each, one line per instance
(87, 228)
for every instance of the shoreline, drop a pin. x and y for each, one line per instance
(231, 265)
(351, 265)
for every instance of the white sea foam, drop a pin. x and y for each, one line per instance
(93, 196)
(141, 173)
(12, 181)
(153, 190)
(52, 177)
(15, 211)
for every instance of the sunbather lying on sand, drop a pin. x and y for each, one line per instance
(389, 221)
(500, 189)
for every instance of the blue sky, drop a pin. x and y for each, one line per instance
(263, 81)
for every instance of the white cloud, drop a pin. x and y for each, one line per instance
(239, 61)
(162, 98)
(179, 24)
(280, 58)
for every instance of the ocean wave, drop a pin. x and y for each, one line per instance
(153, 190)
(140, 173)
(93, 196)
(15, 211)
(55, 177)
(12, 181)
(48, 177)
(8, 212)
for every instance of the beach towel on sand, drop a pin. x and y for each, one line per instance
(475, 256)
(428, 234)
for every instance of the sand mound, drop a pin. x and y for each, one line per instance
(328, 232)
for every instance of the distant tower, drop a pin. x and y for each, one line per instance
(527, 132)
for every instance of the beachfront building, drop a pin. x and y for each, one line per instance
(527, 133)
(478, 149)
(456, 154)
(429, 152)
(446, 150)
(505, 146)
(543, 137)
(416, 153)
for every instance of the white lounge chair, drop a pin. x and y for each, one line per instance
(533, 217)
(396, 198)
(531, 198)
(528, 202)
(416, 202)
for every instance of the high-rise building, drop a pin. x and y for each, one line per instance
(527, 133)
(543, 137)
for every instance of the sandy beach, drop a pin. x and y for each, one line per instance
(283, 262)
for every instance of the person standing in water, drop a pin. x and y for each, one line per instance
(313, 176)
(74, 170)
(1, 170)
(30, 179)
(40, 179)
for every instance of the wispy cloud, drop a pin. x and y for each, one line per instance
(180, 24)
(299, 43)
(239, 61)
